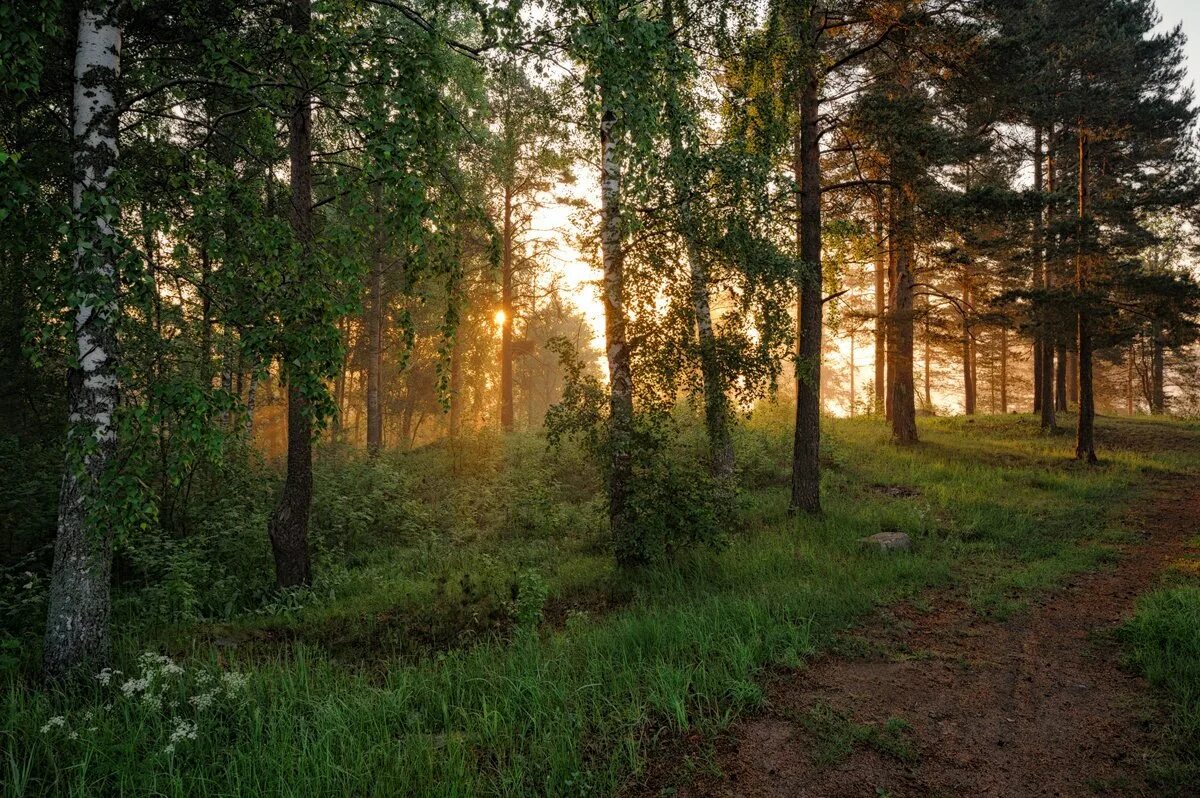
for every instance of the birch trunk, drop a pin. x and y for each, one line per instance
(77, 621)
(629, 550)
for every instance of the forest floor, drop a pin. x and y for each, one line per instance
(933, 698)
(468, 634)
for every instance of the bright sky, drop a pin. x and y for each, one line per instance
(1187, 12)
(580, 279)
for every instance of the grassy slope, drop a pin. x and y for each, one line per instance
(573, 707)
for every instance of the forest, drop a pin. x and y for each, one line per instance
(599, 397)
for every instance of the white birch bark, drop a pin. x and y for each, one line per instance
(78, 611)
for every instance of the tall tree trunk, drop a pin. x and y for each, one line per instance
(375, 357)
(1060, 378)
(806, 452)
(1044, 342)
(1039, 266)
(506, 323)
(904, 414)
(630, 550)
(852, 375)
(77, 618)
(881, 270)
(927, 358)
(288, 527)
(1004, 370)
(969, 395)
(206, 324)
(1085, 444)
(339, 388)
(890, 352)
(1129, 382)
(716, 403)
(1158, 405)
(455, 420)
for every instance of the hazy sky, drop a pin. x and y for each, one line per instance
(1188, 12)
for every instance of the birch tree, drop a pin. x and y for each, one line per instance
(77, 634)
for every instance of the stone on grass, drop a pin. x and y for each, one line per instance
(888, 541)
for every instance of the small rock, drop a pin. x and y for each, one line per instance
(888, 541)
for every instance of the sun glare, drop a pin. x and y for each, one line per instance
(500, 317)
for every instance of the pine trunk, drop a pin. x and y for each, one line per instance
(506, 321)
(881, 269)
(806, 453)
(375, 357)
(1158, 404)
(77, 619)
(288, 527)
(904, 413)
(1004, 370)
(1085, 444)
(969, 396)
(1061, 389)
(1044, 343)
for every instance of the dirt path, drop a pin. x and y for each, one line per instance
(1033, 706)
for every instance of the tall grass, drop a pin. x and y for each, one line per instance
(573, 706)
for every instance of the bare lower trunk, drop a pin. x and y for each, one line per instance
(1039, 268)
(1044, 342)
(904, 414)
(288, 527)
(1004, 370)
(969, 395)
(852, 369)
(1060, 378)
(927, 357)
(455, 420)
(77, 618)
(881, 268)
(506, 320)
(375, 359)
(1158, 395)
(630, 550)
(806, 451)
(1085, 443)
(716, 405)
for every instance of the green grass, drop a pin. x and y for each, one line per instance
(1163, 642)
(348, 695)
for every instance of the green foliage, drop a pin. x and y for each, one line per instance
(1163, 643)
(672, 503)
(329, 706)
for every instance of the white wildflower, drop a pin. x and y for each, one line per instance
(74, 735)
(57, 720)
(132, 686)
(184, 730)
(203, 700)
(234, 681)
(170, 749)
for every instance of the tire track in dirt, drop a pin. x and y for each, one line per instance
(1036, 705)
